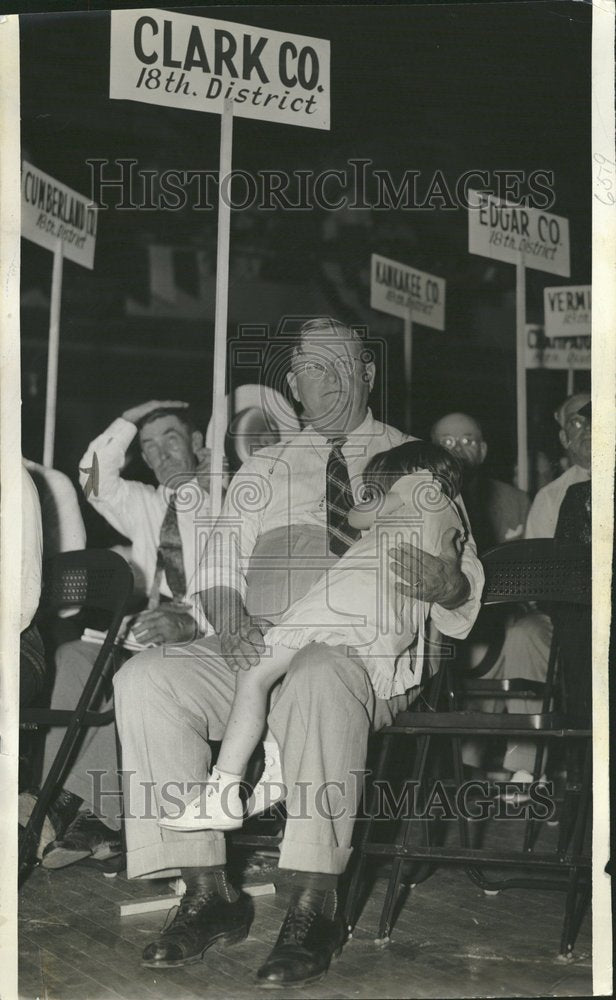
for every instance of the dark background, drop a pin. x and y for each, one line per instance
(425, 87)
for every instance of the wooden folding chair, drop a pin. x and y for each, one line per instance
(89, 578)
(542, 570)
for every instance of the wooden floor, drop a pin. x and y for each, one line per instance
(449, 941)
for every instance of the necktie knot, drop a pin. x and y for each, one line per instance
(336, 443)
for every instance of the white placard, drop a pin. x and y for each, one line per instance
(506, 232)
(51, 211)
(185, 61)
(567, 311)
(395, 286)
(556, 352)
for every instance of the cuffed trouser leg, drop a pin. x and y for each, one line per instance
(169, 702)
(321, 719)
(93, 774)
(524, 654)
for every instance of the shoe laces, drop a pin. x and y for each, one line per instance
(188, 908)
(297, 923)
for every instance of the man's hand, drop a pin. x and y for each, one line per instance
(241, 643)
(167, 623)
(435, 579)
(136, 413)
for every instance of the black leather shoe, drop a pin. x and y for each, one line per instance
(200, 922)
(310, 936)
(61, 812)
(87, 836)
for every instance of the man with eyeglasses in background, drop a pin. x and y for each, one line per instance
(575, 437)
(527, 640)
(497, 511)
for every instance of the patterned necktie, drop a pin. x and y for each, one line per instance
(170, 558)
(339, 500)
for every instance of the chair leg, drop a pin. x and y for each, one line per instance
(395, 876)
(31, 834)
(356, 883)
(530, 827)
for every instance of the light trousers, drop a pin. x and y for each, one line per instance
(171, 701)
(525, 653)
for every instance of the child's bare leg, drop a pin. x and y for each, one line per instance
(247, 719)
(219, 807)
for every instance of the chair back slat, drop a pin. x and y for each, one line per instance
(539, 569)
(89, 578)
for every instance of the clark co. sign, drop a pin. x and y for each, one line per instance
(185, 61)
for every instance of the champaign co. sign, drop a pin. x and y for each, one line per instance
(197, 63)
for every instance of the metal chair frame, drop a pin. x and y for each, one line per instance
(540, 570)
(90, 578)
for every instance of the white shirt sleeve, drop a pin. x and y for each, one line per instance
(458, 623)
(115, 498)
(63, 527)
(236, 531)
(540, 522)
(31, 550)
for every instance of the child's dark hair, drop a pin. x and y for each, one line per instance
(384, 469)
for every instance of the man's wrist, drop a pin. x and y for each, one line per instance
(459, 593)
(224, 609)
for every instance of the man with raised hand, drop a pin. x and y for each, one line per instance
(286, 508)
(164, 524)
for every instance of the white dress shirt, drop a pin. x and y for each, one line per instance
(543, 514)
(284, 485)
(31, 550)
(137, 511)
(63, 528)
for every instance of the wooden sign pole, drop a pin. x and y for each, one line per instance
(52, 355)
(408, 368)
(219, 404)
(570, 382)
(521, 410)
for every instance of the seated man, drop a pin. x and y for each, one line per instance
(527, 641)
(496, 511)
(283, 521)
(32, 669)
(165, 540)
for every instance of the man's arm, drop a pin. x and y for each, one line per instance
(241, 642)
(116, 498)
(230, 543)
(435, 579)
(452, 581)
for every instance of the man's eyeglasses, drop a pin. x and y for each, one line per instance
(578, 422)
(449, 441)
(318, 369)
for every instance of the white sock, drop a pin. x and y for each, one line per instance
(226, 776)
(271, 748)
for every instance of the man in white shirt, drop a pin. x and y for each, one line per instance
(177, 508)
(575, 437)
(527, 641)
(277, 532)
(32, 668)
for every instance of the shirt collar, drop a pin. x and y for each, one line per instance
(365, 429)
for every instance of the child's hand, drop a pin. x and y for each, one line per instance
(362, 516)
